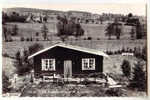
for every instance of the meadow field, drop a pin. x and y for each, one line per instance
(99, 42)
(91, 30)
(97, 31)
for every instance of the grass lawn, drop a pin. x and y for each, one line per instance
(72, 90)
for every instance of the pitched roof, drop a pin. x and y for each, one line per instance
(77, 48)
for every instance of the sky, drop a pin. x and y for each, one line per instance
(136, 7)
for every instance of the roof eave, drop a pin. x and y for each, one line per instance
(65, 46)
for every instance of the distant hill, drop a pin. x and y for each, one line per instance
(34, 10)
(73, 11)
(21, 9)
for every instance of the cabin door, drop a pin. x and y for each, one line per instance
(67, 68)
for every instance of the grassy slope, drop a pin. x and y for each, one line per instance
(93, 30)
(12, 47)
(8, 66)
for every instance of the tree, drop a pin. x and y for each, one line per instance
(37, 33)
(25, 56)
(22, 65)
(18, 63)
(117, 29)
(139, 77)
(66, 28)
(101, 20)
(45, 19)
(118, 32)
(34, 48)
(144, 53)
(130, 15)
(14, 30)
(5, 32)
(63, 29)
(18, 56)
(9, 37)
(78, 31)
(5, 83)
(4, 18)
(44, 30)
(126, 68)
(138, 30)
(132, 33)
(109, 31)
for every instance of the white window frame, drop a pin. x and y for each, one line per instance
(46, 67)
(87, 60)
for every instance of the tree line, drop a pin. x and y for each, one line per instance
(14, 17)
(115, 29)
(66, 28)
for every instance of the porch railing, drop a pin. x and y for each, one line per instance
(76, 78)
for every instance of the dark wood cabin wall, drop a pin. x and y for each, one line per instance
(60, 54)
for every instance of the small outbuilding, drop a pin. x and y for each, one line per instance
(67, 60)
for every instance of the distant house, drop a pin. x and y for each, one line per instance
(67, 60)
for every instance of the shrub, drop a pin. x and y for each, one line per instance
(144, 53)
(119, 52)
(27, 39)
(135, 49)
(114, 92)
(5, 55)
(15, 30)
(5, 83)
(89, 38)
(123, 49)
(22, 70)
(98, 38)
(22, 39)
(109, 52)
(34, 48)
(22, 64)
(141, 54)
(31, 39)
(130, 50)
(115, 52)
(84, 39)
(126, 68)
(127, 49)
(18, 63)
(138, 80)
(37, 33)
(37, 39)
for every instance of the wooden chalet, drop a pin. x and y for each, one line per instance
(67, 60)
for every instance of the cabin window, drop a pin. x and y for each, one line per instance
(88, 64)
(48, 64)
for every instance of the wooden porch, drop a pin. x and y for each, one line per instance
(99, 78)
